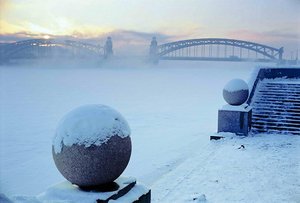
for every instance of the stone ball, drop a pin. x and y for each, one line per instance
(92, 145)
(236, 92)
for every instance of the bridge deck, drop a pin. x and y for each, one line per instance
(213, 59)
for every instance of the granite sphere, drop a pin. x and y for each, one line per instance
(92, 145)
(236, 92)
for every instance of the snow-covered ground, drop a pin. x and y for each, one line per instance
(171, 109)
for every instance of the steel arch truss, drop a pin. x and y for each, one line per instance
(270, 52)
(9, 50)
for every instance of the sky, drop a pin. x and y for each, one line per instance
(132, 23)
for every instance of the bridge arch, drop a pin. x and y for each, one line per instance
(270, 52)
(44, 47)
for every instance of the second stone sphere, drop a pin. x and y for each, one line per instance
(236, 92)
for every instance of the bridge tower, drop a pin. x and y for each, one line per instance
(153, 54)
(280, 54)
(108, 48)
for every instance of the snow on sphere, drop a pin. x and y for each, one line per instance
(92, 145)
(236, 92)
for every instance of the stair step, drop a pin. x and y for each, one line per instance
(281, 94)
(275, 110)
(270, 120)
(279, 90)
(277, 115)
(284, 128)
(277, 118)
(274, 103)
(292, 89)
(274, 131)
(278, 97)
(280, 84)
(278, 107)
(276, 124)
(261, 94)
(263, 102)
(265, 112)
(277, 100)
(291, 82)
(269, 93)
(274, 107)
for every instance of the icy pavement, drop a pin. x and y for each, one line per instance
(266, 169)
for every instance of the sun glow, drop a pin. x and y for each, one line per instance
(46, 37)
(34, 28)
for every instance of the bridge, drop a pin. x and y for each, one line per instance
(47, 48)
(214, 49)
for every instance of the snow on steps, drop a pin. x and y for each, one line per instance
(276, 107)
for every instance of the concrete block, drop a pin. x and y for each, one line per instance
(127, 191)
(235, 119)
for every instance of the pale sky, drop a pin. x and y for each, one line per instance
(271, 22)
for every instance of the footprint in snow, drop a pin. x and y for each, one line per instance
(200, 199)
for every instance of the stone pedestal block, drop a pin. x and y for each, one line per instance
(122, 190)
(235, 119)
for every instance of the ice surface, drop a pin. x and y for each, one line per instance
(236, 85)
(89, 124)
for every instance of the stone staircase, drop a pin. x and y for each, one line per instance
(276, 107)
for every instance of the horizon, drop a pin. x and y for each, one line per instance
(272, 23)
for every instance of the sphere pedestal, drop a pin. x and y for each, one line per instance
(125, 190)
(235, 119)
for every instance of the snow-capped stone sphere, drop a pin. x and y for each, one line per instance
(236, 92)
(92, 145)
